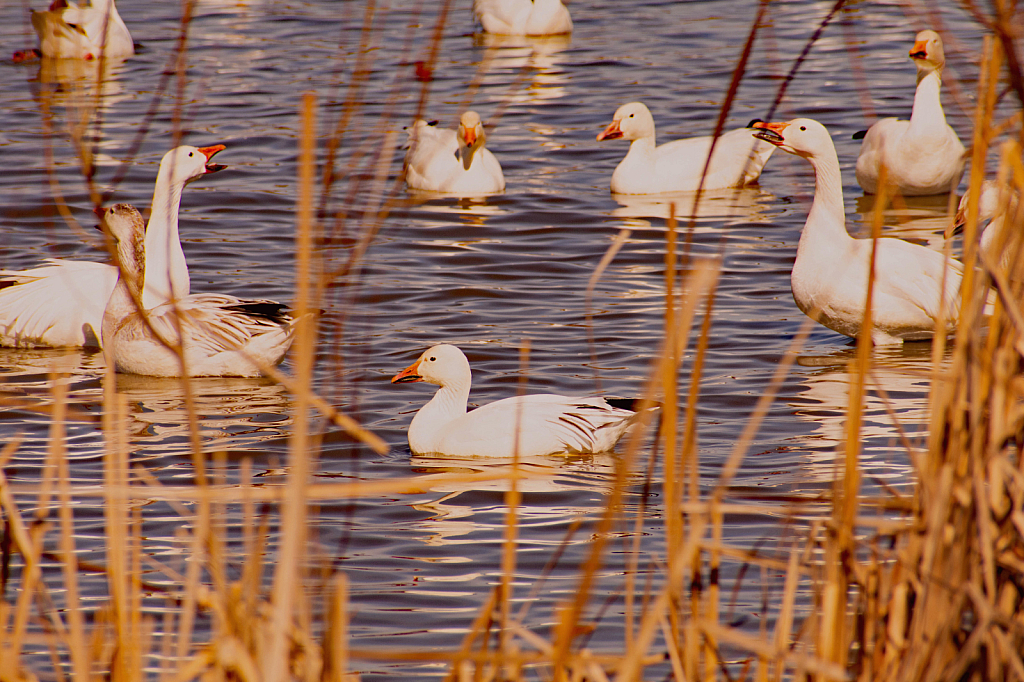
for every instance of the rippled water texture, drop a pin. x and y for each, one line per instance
(486, 274)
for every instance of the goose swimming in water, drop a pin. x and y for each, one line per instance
(220, 335)
(530, 425)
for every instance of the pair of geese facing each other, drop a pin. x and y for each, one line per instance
(457, 162)
(79, 31)
(63, 303)
(923, 156)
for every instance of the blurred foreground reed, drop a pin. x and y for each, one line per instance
(921, 587)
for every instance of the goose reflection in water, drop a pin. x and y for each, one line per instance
(923, 220)
(233, 413)
(748, 204)
(895, 407)
(549, 476)
(85, 90)
(536, 58)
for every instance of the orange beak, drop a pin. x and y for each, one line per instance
(208, 152)
(408, 375)
(469, 136)
(772, 132)
(612, 132)
(920, 50)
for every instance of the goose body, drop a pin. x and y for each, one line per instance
(62, 303)
(452, 161)
(830, 275)
(532, 425)
(523, 17)
(923, 155)
(677, 166)
(1002, 208)
(70, 30)
(220, 335)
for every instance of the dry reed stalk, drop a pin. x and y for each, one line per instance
(287, 578)
(73, 607)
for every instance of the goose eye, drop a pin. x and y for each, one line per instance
(432, 359)
(803, 127)
(190, 155)
(631, 115)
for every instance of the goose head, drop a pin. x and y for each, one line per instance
(927, 53)
(444, 365)
(126, 228)
(802, 136)
(471, 136)
(631, 121)
(184, 164)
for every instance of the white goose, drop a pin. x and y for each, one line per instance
(923, 155)
(220, 334)
(523, 17)
(535, 425)
(1002, 208)
(443, 160)
(830, 274)
(82, 32)
(677, 166)
(61, 303)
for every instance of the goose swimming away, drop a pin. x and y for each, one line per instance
(533, 425)
(677, 166)
(523, 17)
(70, 30)
(923, 155)
(453, 161)
(1002, 208)
(220, 335)
(830, 275)
(61, 303)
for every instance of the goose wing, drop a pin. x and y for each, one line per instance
(57, 304)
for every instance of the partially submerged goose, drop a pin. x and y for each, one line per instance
(523, 17)
(530, 425)
(61, 303)
(220, 335)
(1002, 208)
(830, 275)
(923, 155)
(444, 160)
(70, 30)
(677, 166)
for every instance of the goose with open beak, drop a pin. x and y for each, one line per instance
(61, 303)
(831, 271)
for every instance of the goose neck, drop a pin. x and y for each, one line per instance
(163, 219)
(828, 213)
(927, 109)
(166, 267)
(643, 146)
(448, 403)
